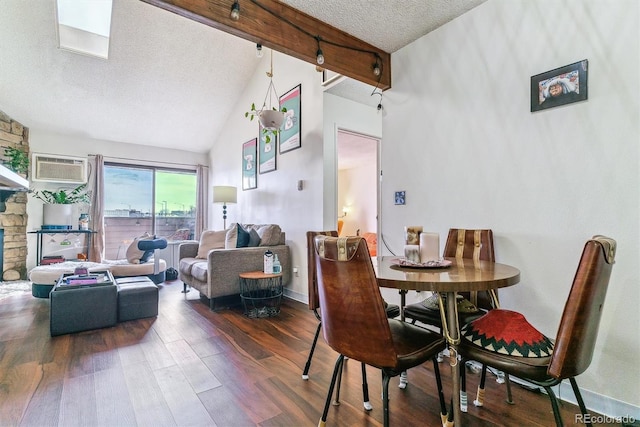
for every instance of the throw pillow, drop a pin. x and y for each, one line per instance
(243, 237)
(133, 253)
(237, 237)
(210, 239)
(269, 235)
(231, 238)
(254, 238)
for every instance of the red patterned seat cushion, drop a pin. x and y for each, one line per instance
(507, 332)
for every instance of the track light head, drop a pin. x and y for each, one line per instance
(235, 11)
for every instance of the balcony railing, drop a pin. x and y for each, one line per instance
(121, 230)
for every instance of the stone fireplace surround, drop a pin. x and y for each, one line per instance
(13, 220)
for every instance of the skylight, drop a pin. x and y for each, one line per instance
(84, 26)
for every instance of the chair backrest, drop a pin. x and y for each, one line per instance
(314, 302)
(354, 321)
(580, 320)
(472, 244)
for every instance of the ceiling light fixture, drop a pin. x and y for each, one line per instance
(319, 54)
(235, 11)
(376, 67)
(259, 52)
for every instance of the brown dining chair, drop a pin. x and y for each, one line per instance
(355, 323)
(392, 310)
(505, 340)
(471, 244)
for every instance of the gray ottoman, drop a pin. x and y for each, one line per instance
(137, 298)
(82, 309)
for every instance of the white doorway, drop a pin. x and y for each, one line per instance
(357, 183)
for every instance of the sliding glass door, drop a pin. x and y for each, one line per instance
(141, 199)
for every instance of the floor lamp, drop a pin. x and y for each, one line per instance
(225, 194)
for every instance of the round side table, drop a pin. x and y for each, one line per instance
(261, 293)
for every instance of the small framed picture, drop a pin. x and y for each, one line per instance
(561, 86)
(400, 198)
(249, 164)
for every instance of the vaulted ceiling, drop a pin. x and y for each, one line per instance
(167, 77)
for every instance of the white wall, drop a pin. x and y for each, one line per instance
(50, 143)
(459, 137)
(277, 199)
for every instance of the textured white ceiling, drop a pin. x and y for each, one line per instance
(168, 80)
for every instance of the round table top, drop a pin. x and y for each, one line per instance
(258, 275)
(462, 275)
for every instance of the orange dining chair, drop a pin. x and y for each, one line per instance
(505, 340)
(392, 310)
(356, 325)
(471, 244)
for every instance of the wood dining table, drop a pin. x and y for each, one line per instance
(462, 275)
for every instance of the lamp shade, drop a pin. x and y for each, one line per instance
(225, 194)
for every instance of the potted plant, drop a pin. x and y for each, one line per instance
(17, 160)
(58, 205)
(270, 115)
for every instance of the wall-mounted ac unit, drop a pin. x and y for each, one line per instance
(64, 169)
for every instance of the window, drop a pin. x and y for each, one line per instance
(140, 199)
(84, 26)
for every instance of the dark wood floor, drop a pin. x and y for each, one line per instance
(191, 366)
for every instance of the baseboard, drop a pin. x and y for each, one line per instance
(296, 296)
(614, 411)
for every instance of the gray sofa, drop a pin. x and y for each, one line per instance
(215, 272)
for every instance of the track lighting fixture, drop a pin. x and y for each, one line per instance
(376, 66)
(235, 11)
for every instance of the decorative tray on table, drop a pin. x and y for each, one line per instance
(403, 262)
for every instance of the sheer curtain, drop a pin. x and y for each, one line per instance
(202, 200)
(97, 210)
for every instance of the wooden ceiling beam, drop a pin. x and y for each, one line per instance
(265, 22)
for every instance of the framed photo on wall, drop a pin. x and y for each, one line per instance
(268, 141)
(249, 164)
(561, 86)
(290, 131)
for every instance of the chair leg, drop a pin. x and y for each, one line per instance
(404, 380)
(336, 401)
(443, 405)
(307, 366)
(508, 383)
(336, 370)
(463, 389)
(554, 405)
(385, 398)
(479, 401)
(583, 408)
(365, 389)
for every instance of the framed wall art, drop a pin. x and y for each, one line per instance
(290, 131)
(267, 143)
(249, 164)
(561, 86)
